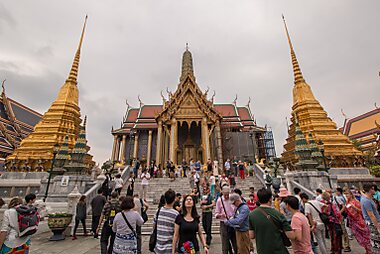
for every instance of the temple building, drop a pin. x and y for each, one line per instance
(16, 122)
(189, 125)
(363, 129)
(313, 119)
(61, 120)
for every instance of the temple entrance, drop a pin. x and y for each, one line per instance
(189, 142)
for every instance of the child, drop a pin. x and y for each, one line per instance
(251, 202)
(232, 180)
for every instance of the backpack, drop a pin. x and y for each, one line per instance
(112, 214)
(28, 219)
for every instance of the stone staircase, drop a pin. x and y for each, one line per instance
(158, 186)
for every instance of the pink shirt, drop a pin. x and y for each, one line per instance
(302, 246)
(230, 209)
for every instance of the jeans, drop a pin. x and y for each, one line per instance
(228, 240)
(138, 233)
(206, 222)
(77, 224)
(95, 224)
(107, 233)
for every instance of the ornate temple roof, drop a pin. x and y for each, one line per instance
(16, 122)
(363, 128)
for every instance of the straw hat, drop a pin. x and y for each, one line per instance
(283, 192)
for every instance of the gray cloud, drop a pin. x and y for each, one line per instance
(135, 47)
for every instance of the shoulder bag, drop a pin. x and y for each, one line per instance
(285, 239)
(153, 236)
(324, 217)
(129, 225)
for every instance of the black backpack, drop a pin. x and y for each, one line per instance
(28, 219)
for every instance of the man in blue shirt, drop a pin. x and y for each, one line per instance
(240, 223)
(371, 216)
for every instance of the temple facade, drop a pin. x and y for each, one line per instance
(61, 122)
(314, 122)
(16, 123)
(189, 125)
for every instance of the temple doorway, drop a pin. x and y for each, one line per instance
(189, 142)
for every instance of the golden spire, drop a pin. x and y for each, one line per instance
(296, 68)
(187, 64)
(74, 68)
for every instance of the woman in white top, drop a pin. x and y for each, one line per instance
(126, 237)
(119, 183)
(145, 177)
(9, 240)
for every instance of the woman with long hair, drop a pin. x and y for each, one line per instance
(356, 220)
(186, 228)
(130, 184)
(80, 216)
(9, 240)
(124, 225)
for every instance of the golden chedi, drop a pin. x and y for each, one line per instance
(338, 149)
(61, 119)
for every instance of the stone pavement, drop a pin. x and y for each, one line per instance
(89, 245)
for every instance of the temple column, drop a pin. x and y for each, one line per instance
(159, 143)
(219, 146)
(117, 152)
(149, 152)
(123, 146)
(114, 148)
(136, 146)
(173, 141)
(205, 140)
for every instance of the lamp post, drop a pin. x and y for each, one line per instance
(252, 136)
(55, 151)
(321, 147)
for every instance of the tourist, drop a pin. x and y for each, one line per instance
(106, 185)
(240, 223)
(232, 180)
(252, 191)
(195, 194)
(136, 167)
(313, 208)
(356, 220)
(283, 210)
(207, 204)
(240, 193)
(186, 228)
(152, 166)
(1, 203)
(340, 201)
(162, 202)
(301, 243)
(217, 189)
(145, 177)
(212, 183)
(192, 165)
(10, 242)
(371, 216)
(224, 181)
(124, 225)
(334, 228)
(319, 192)
(262, 228)
(97, 204)
(140, 207)
(227, 167)
(215, 167)
(251, 202)
(177, 203)
(225, 210)
(165, 219)
(107, 237)
(209, 165)
(267, 179)
(130, 184)
(118, 183)
(80, 216)
(197, 181)
(184, 167)
(30, 199)
(235, 163)
(241, 170)
(197, 167)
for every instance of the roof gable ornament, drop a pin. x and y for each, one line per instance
(235, 100)
(212, 97)
(3, 86)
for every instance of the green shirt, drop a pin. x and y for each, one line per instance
(268, 238)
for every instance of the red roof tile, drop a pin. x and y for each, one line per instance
(226, 110)
(150, 111)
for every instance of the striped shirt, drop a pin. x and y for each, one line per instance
(165, 230)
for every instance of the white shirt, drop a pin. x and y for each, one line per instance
(309, 209)
(212, 180)
(196, 177)
(119, 183)
(10, 225)
(145, 178)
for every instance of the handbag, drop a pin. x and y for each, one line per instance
(143, 212)
(324, 217)
(285, 239)
(153, 236)
(129, 225)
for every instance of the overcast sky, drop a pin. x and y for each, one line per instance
(135, 47)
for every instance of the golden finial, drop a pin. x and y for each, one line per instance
(235, 100)
(85, 121)
(74, 68)
(3, 85)
(187, 46)
(296, 68)
(187, 64)
(212, 97)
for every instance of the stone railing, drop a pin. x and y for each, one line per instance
(259, 173)
(294, 184)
